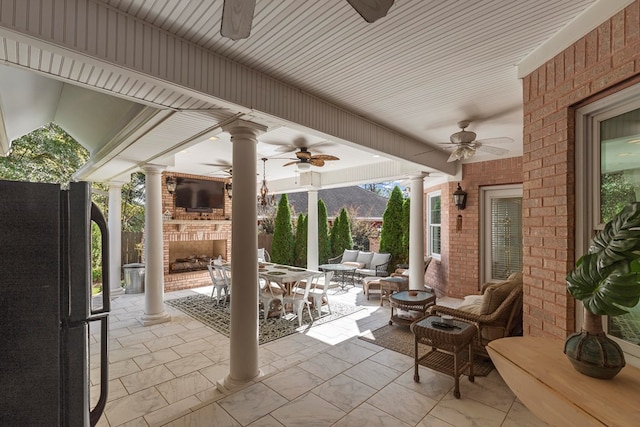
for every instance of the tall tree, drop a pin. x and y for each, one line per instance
(300, 246)
(406, 213)
(335, 235)
(342, 229)
(324, 244)
(391, 235)
(282, 245)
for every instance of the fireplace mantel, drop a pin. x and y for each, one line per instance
(182, 223)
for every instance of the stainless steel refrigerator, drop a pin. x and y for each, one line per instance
(46, 305)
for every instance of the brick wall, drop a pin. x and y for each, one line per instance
(457, 274)
(604, 61)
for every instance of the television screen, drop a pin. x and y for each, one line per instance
(198, 195)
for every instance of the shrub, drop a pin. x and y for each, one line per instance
(282, 245)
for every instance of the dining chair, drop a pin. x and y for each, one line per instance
(219, 284)
(271, 298)
(318, 293)
(299, 297)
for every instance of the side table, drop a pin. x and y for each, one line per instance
(407, 306)
(448, 343)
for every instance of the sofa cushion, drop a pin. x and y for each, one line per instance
(495, 294)
(350, 255)
(379, 259)
(353, 264)
(365, 258)
(471, 304)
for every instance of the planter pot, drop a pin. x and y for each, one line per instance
(592, 353)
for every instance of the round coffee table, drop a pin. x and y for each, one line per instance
(408, 306)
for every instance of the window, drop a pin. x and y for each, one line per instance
(608, 163)
(502, 232)
(433, 225)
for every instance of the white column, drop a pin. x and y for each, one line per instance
(153, 248)
(416, 233)
(243, 365)
(312, 230)
(115, 238)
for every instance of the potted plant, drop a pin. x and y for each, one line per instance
(607, 281)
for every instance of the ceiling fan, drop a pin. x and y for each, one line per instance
(304, 159)
(223, 169)
(237, 15)
(464, 144)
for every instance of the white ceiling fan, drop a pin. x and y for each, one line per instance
(237, 15)
(464, 144)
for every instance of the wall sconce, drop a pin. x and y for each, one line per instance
(228, 187)
(460, 198)
(171, 184)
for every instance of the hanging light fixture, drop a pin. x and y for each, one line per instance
(264, 199)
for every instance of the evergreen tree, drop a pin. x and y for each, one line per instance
(406, 213)
(300, 246)
(324, 244)
(343, 239)
(282, 245)
(335, 234)
(391, 236)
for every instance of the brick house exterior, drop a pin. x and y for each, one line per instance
(601, 63)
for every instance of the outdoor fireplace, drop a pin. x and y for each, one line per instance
(194, 255)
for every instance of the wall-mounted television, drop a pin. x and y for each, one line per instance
(199, 195)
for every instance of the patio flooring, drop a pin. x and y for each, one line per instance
(166, 374)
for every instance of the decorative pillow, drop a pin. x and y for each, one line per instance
(379, 259)
(353, 264)
(365, 258)
(349, 255)
(495, 294)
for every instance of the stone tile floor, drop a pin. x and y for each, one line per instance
(166, 374)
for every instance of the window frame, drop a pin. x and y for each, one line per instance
(430, 252)
(587, 182)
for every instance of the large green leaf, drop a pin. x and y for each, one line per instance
(607, 279)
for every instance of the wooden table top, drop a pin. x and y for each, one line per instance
(539, 373)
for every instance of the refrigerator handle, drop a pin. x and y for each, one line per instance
(101, 222)
(97, 411)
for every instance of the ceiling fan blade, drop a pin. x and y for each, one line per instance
(316, 162)
(323, 157)
(237, 17)
(371, 10)
(502, 140)
(493, 150)
(292, 163)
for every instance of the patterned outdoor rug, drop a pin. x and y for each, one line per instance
(400, 339)
(205, 310)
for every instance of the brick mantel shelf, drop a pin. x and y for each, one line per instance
(182, 223)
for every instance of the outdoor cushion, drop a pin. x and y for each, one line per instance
(495, 294)
(365, 258)
(471, 304)
(379, 259)
(349, 255)
(353, 264)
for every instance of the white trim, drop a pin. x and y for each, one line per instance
(587, 21)
(429, 251)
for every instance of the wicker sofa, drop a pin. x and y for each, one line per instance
(366, 263)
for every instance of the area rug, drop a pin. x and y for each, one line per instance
(401, 340)
(204, 309)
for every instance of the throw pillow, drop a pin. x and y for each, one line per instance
(353, 264)
(349, 255)
(365, 258)
(379, 259)
(495, 294)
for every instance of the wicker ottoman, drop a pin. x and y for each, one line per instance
(447, 346)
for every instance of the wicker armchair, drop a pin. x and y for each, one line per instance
(497, 312)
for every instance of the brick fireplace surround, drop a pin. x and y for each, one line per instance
(189, 233)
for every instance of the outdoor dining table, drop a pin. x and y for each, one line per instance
(285, 276)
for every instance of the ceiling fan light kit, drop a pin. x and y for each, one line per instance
(465, 144)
